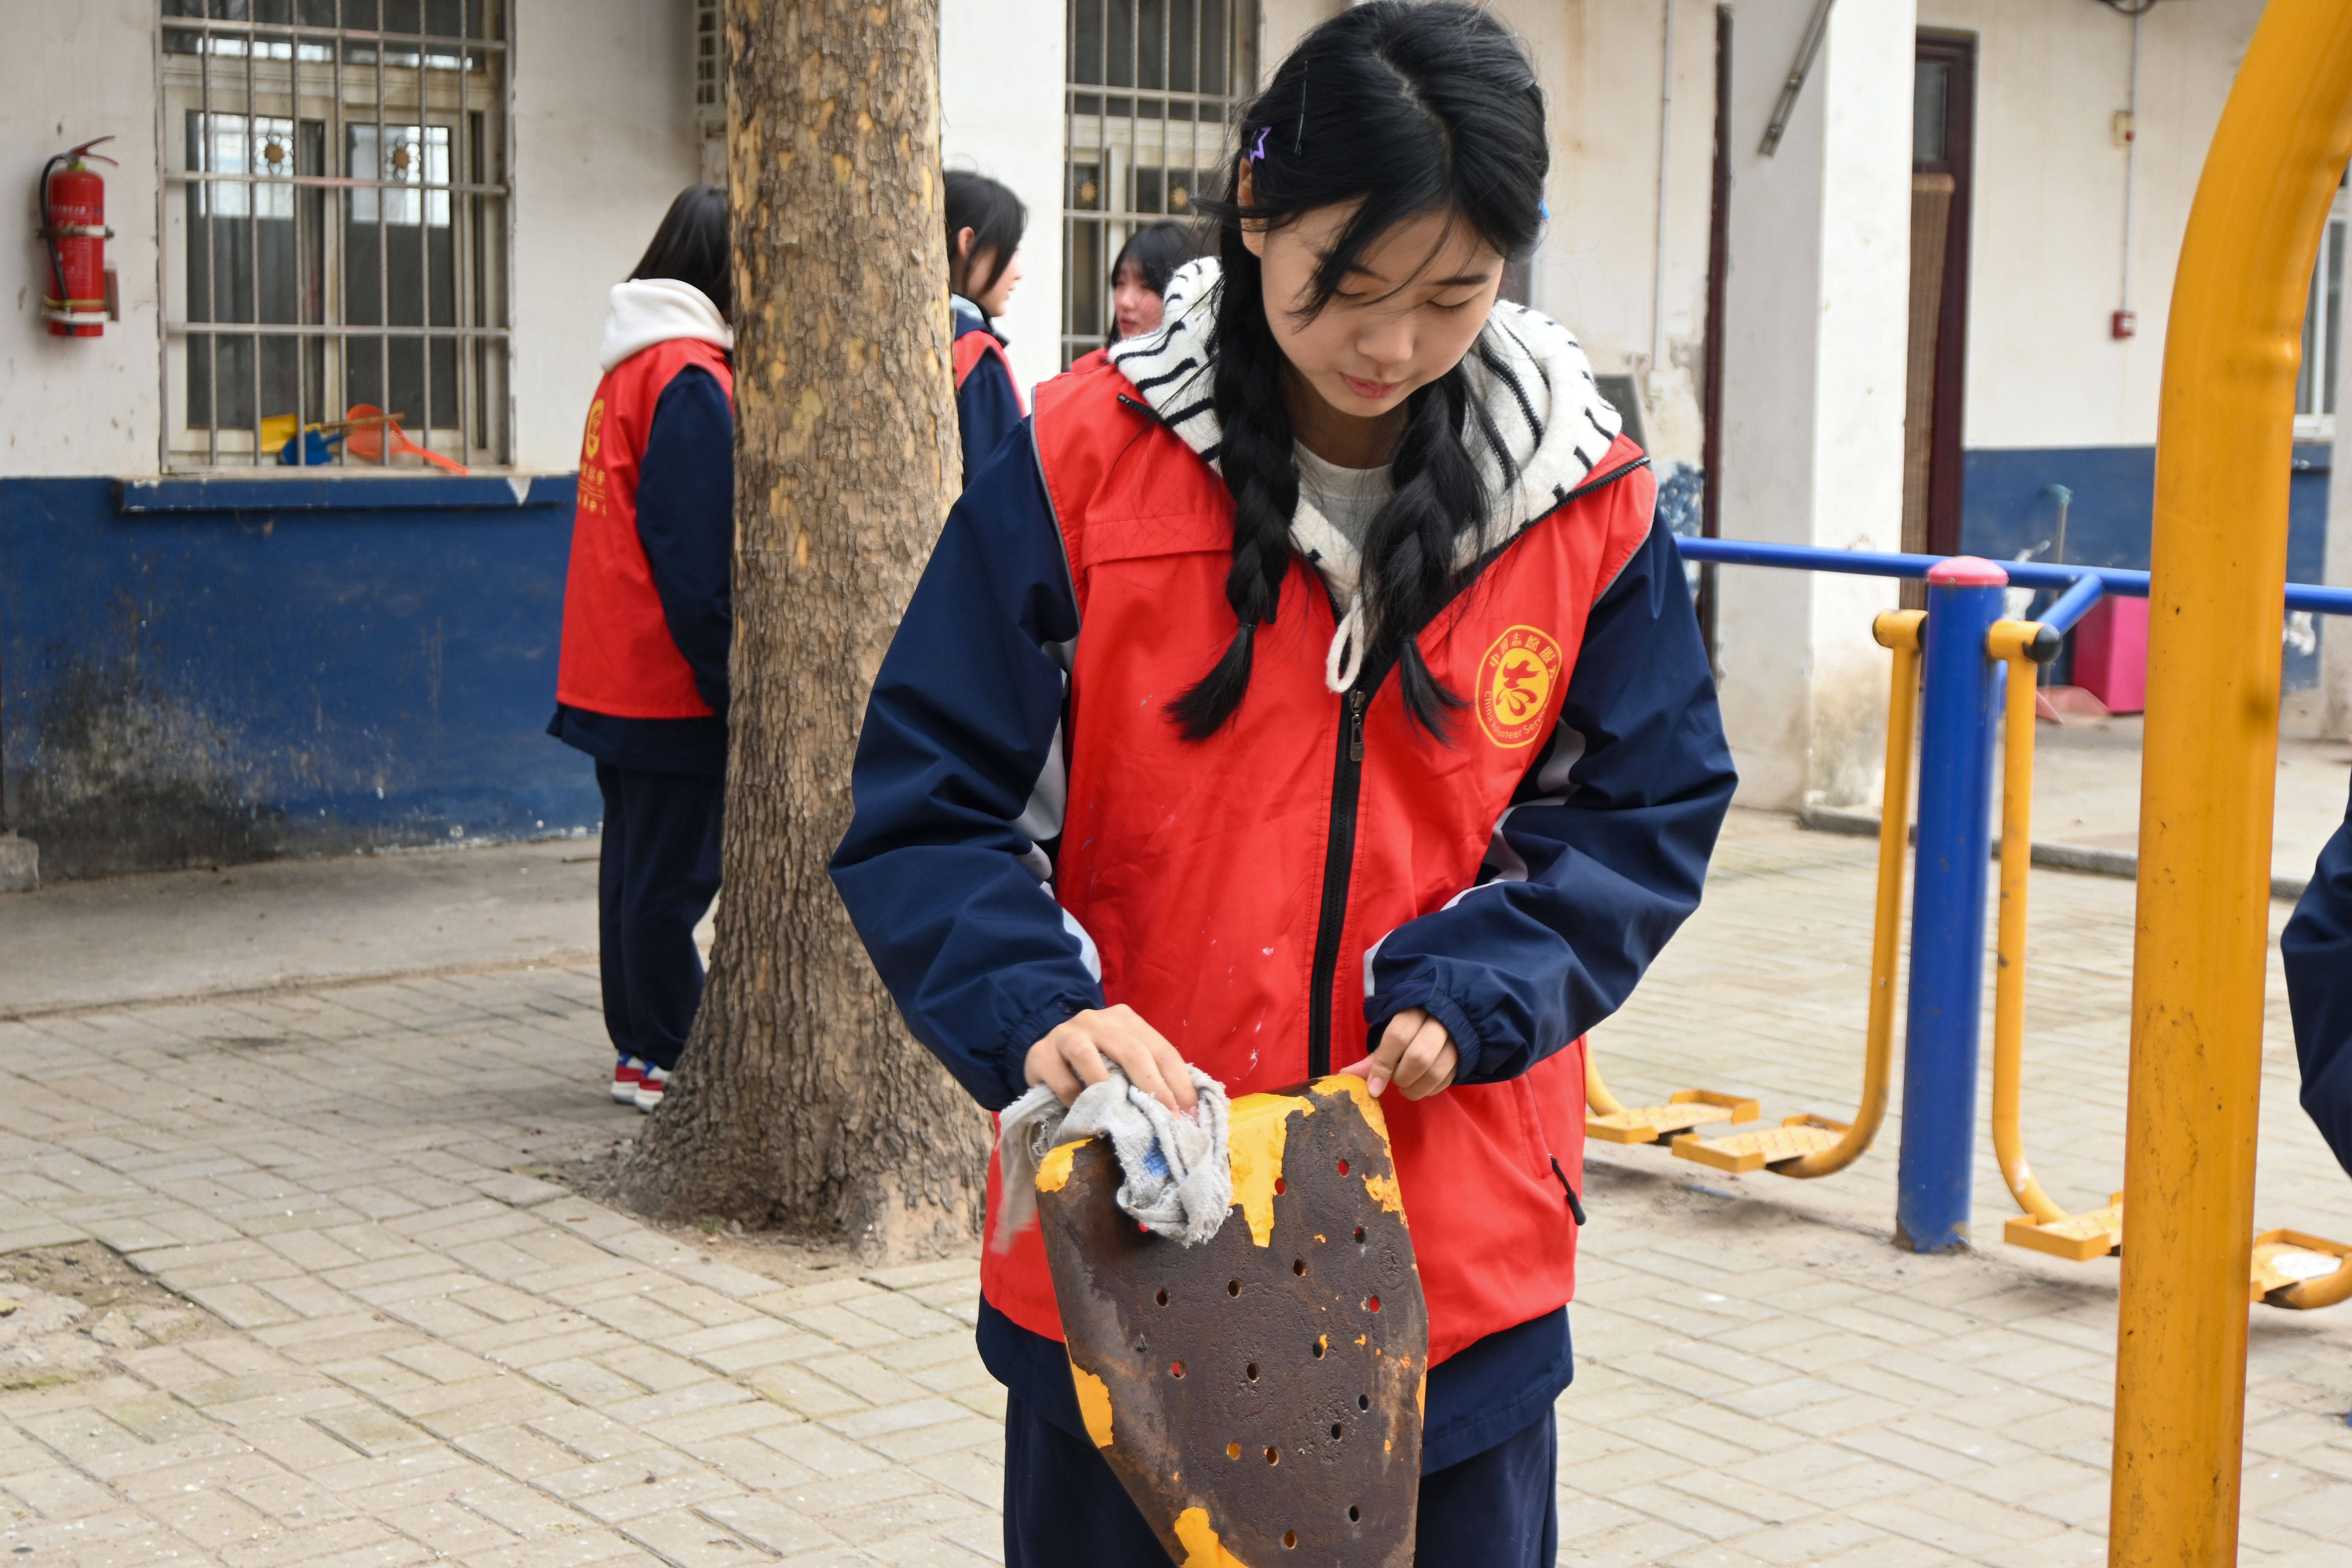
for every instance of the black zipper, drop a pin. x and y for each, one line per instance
(1347, 784)
(1338, 862)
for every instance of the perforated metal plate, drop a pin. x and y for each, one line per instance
(2078, 1238)
(2285, 1259)
(1259, 1395)
(1688, 1109)
(1740, 1152)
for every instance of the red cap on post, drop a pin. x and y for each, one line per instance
(1969, 572)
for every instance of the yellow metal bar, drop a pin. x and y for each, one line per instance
(2009, 640)
(1596, 1096)
(2224, 427)
(1898, 630)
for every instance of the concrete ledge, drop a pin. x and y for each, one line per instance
(295, 489)
(2121, 863)
(20, 865)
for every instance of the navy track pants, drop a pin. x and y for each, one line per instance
(657, 872)
(1065, 1509)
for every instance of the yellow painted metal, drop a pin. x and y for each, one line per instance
(1810, 1146)
(1774, 1148)
(2009, 640)
(1596, 1093)
(1687, 1109)
(2288, 1263)
(1898, 630)
(2224, 427)
(2077, 1238)
(2283, 1271)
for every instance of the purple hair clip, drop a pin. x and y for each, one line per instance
(1257, 154)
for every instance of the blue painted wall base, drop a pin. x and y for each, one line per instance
(2010, 504)
(204, 672)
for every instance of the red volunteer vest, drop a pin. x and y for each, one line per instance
(1200, 868)
(618, 656)
(975, 346)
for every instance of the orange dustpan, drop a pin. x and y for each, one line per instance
(368, 425)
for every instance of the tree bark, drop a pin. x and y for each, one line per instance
(802, 1103)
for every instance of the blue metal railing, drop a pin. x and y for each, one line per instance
(2308, 597)
(1960, 706)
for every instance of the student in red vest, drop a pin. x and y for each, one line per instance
(647, 620)
(1312, 689)
(1139, 282)
(985, 223)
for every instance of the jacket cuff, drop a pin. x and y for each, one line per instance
(1025, 1031)
(1447, 1011)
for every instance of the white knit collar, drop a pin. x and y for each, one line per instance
(1526, 370)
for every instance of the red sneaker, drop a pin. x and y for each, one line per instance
(650, 1087)
(628, 1072)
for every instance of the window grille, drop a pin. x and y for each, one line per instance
(1178, 71)
(2314, 385)
(711, 88)
(335, 210)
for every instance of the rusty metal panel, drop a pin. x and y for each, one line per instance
(1259, 1395)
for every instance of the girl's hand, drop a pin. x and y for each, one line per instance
(1415, 1054)
(1074, 1055)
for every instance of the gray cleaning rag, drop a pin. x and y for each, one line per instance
(1178, 1170)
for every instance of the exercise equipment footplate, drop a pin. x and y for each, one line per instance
(2077, 1238)
(1259, 1395)
(1740, 1152)
(1685, 1110)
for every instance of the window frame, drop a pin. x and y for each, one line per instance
(1112, 214)
(2317, 392)
(260, 71)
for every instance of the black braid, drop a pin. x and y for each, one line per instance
(1409, 547)
(1255, 452)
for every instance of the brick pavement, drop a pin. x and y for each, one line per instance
(414, 1349)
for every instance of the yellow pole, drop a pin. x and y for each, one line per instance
(1898, 630)
(1596, 1096)
(2225, 425)
(2010, 641)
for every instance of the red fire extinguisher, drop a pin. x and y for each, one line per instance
(73, 222)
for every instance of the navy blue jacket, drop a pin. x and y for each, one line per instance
(2317, 949)
(987, 404)
(685, 521)
(946, 866)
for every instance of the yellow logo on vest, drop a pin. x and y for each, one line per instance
(595, 438)
(1515, 685)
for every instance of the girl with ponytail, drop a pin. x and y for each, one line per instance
(1306, 690)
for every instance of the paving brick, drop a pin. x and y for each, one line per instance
(1761, 1380)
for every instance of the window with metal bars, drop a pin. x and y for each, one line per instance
(335, 212)
(1154, 86)
(2315, 386)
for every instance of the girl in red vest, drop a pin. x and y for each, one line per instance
(642, 685)
(1309, 689)
(1139, 282)
(985, 222)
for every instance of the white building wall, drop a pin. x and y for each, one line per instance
(603, 140)
(603, 137)
(81, 405)
(1003, 64)
(1813, 392)
(1601, 63)
(2047, 254)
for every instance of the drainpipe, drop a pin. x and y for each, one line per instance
(1658, 279)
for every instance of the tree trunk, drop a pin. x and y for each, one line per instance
(801, 1101)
